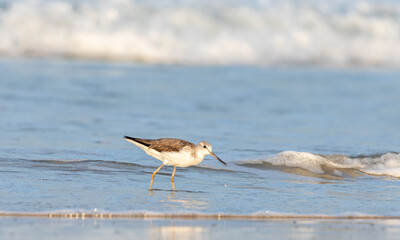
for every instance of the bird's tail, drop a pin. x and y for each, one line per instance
(140, 142)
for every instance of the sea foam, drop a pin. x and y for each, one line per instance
(382, 164)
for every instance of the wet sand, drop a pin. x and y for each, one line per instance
(203, 227)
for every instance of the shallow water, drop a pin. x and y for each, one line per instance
(63, 122)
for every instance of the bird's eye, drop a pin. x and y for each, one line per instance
(205, 147)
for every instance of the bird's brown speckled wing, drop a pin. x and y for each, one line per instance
(169, 144)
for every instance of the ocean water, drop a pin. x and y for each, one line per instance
(297, 141)
(299, 98)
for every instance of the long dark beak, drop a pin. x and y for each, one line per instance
(212, 154)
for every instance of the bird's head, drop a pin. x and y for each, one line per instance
(206, 149)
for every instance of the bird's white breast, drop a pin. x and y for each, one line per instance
(183, 158)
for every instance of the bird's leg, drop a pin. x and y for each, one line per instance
(154, 174)
(172, 179)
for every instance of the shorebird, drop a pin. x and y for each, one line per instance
(175, 152)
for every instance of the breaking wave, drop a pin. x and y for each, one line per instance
(340, 34)
(330, 166)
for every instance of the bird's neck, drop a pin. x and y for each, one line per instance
(199, 154)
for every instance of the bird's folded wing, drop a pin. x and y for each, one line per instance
(169, 145)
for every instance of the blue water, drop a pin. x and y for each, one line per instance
(62, 149)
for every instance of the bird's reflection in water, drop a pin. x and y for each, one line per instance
(180, 200)
(186, 201)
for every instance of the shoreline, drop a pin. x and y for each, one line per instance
(189, 216)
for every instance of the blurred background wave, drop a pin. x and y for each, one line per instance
(337, 33)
